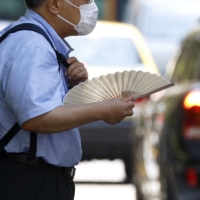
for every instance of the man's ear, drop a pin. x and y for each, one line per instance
(52, 5)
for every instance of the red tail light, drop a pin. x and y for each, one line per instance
(192, 99)
(191, 121)
(141, 100)
(192, 177)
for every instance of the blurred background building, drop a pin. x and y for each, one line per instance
(111, 9)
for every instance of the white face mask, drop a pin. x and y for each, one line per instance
(89, 14)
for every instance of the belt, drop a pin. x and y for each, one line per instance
(23, 157)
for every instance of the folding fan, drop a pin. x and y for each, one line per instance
(137, 84)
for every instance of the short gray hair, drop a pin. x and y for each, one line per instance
(33, 3)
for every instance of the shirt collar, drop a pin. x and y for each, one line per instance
(60, 44)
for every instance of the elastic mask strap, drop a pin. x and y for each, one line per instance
(72, 4)
(66, 21)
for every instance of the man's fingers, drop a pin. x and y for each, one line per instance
(130, 112)
(72, 60)
(129, 98)
(78, 72)
(75, 68)
(131, 104)
(80, 75)
(130, 107)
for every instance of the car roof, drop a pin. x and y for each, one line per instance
(124, 30)
(114, 29)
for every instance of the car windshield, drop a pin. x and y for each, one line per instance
(11, 9)
(166, 23)
(105, 51)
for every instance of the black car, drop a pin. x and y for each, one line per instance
(167, 151)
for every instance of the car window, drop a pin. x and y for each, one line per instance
(188, 64)
(105, 51)
(11, 9)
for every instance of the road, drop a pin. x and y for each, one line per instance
(97, 180)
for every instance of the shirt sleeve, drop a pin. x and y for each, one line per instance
(32, 85)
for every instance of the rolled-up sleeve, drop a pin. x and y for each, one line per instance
(32, 85)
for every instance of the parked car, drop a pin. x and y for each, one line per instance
(167, 159)
(163, 23)
(112, 47)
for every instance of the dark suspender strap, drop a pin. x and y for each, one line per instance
(61, 59)
(26, 26)
(10, 134)
(33, 145)
(32, 27)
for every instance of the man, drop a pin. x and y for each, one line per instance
(32, 88)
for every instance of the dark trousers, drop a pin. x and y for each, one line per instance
(22, 181)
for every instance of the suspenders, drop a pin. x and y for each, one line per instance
(16, 128)
(35, 28)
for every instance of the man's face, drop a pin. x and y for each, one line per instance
(69, 10)
(72, 10)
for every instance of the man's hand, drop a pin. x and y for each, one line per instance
(76, 72)
(115, 110)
